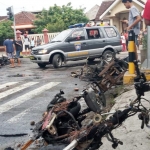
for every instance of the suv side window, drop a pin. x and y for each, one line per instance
(78, 35)
(93, 33)
(110, 31)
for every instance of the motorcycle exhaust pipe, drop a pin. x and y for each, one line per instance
(72, 145)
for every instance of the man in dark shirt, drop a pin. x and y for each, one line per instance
(19, 45)
(9, 49)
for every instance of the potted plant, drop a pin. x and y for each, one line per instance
(144, 48)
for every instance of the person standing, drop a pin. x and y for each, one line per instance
(126, 37)
(123, 40)
(19, 46)
(102, 23)
(38, 41)
(32, 43)
(26, 43)
(9, 49)
(146, 14)
(134, 19)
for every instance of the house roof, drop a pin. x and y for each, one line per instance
(104, 6)
(24, 18)
(3, 18)
(91, 14)
(139, 2)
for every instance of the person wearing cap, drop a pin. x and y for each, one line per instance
(146, 14)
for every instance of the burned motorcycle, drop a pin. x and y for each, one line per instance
(4, 61)
(61, 125)
(63, 117)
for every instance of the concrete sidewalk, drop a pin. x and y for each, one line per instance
(130, 133)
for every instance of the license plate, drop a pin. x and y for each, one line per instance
(32, 58)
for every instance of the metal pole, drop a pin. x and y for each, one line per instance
(132, 52)
(148, 46)
(14, 22)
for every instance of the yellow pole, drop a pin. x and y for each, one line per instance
(132, 51)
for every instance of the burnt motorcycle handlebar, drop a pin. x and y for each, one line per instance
(140, 82)
(99, 130)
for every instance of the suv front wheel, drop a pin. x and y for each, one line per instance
(57, 61)
(108, 55)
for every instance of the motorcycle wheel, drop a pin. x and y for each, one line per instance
(95, 98)
(74, 108)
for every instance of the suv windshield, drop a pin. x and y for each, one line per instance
(60, 37)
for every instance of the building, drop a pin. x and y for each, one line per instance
(112, 11)
(2, 18)
(91, 14)
(24, 22)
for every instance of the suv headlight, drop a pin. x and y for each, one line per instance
(43, 51)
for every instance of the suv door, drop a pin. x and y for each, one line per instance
(96, 41)
(113, 38)
(76, 48)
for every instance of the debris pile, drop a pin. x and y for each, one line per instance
(106, 74)
(4, 61)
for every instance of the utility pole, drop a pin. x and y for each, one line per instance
(11, 16)
(14, 22)
(148, 47)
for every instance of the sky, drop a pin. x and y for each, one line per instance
(34, 5)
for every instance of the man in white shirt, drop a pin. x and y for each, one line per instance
(26, 43)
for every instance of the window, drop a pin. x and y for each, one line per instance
(93, 33)
(78, 35)
(62, 35)
(110, 32)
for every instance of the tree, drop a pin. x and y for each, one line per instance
(6, 30)
(59, 18)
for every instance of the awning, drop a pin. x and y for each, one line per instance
(29, 26)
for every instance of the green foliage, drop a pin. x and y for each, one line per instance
(59, 18)
(5, 30)
(144, 42)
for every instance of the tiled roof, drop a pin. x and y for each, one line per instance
(3, 17)
(141, 1)
(24, 18)
(104, 6)
(91, 14)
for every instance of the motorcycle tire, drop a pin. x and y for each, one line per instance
(95, 103)
(74, 108)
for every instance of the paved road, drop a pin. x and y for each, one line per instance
(25, 92)
(24, 99)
